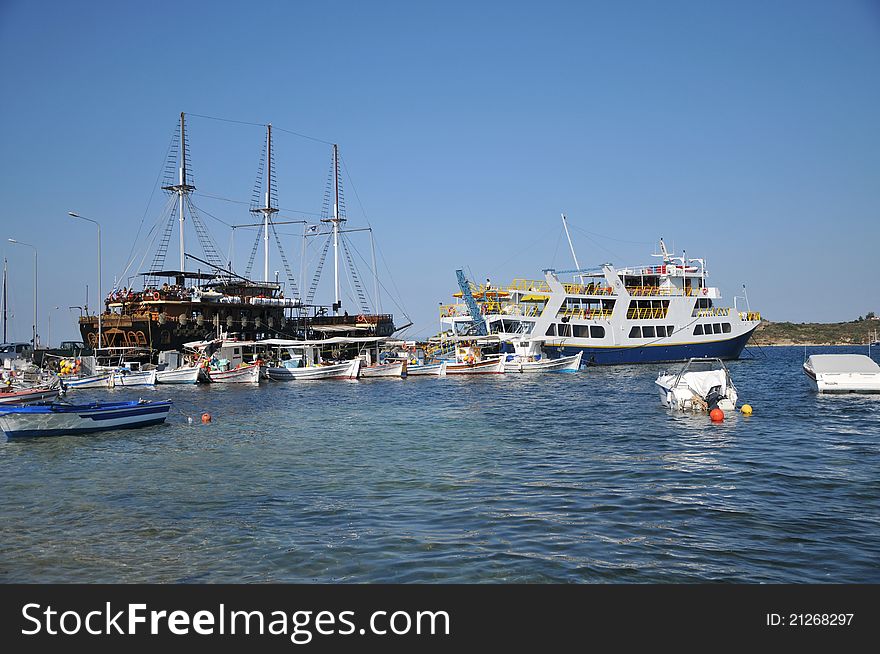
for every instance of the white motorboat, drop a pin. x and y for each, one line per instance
(89, 381)
(528, 357)
(701, 385)
(842, 373)
(293, 370)
(396, 369)
(182, 375)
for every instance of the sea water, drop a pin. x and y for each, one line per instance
(578, 478)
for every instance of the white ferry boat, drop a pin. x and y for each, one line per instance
(641, 314)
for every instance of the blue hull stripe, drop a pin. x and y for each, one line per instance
(600, 356)
(31, 433)
(112, 415)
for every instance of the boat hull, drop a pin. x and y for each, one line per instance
(345, 370)
(490, 367)
(563, 364)
(843, 383)
(429, 370)
(397, 370)
(29, 395)
(58, 420)
(188, 375)
(614, 355)
(242, 375)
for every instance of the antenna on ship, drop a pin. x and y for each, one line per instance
(571, 247)
(181, 188)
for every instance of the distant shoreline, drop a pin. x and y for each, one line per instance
(854, 333)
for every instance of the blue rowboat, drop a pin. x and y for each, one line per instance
(58, 419)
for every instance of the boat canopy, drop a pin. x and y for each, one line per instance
(842, 364)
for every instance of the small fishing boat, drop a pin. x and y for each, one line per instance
(391, 369)
(426, 370)
(15, 395)
(702, 384)
(59, 419)
(303, 361)
(529, 357)
(469, 360)
(842, 373)
(182, 375)
(125, 377)
(89, 381)
(292, 370)
(246, 373)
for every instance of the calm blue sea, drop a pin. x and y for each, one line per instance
(549, 478)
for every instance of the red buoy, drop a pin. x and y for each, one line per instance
(717, 415)
(206, 418)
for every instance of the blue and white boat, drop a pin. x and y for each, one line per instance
(60, 419)
(639, 314)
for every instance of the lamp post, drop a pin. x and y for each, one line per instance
(49, 326)
(12, 240)
(100, 310)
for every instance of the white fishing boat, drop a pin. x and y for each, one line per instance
(243, 374)
(293, 371)
(396, 369)
(528, 356)
(470, 360)
(103, 380)
(59, 419)
(426, 369)
(702, 384)
(181, 375)
(842, 373)
(125, 377)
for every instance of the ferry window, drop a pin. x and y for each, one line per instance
(648, 331)
(564, 329)
(581, 331)
(635, 332)
(661, 330)
(236, 350)
(725, 327)
(717, 327)
(698, 330)
(551, 330)
(597, 332)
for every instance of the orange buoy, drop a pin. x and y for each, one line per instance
(717, 415)
(206, 418)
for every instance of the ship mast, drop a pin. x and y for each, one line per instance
(181, 188)
(267, 209)
(337, 219)
(4, 299)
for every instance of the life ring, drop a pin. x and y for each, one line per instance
(362, 319)
(156, 295)
(705, 291)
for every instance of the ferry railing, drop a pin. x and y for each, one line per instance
(711, 313)
(585, 314)
(646, 313)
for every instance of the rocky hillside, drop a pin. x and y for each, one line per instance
(857, 332)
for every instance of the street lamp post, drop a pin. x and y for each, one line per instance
(49, 327)
(12, 240)
(100, 310)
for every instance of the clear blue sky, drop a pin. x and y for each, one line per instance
(745, 132)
